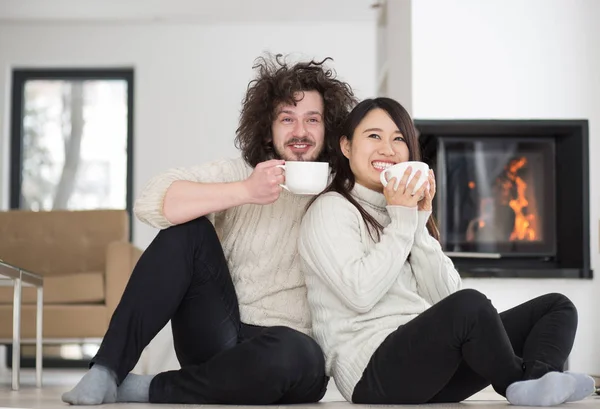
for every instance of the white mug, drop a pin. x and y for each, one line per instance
(305, 178)
(397, 171)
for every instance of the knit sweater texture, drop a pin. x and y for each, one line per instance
(259, 243)
(360, 290)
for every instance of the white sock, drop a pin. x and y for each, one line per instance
(97, 386)
(585, 386)
(551, 389)
(135, 388)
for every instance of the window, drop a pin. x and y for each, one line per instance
(71, 139)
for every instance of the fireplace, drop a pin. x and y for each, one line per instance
(512, 196)
(498, 196)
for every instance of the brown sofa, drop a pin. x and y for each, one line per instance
(86, 260)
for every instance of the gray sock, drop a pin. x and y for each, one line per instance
(135, 388)
(97, 386)
(585, 386)
(551, 389)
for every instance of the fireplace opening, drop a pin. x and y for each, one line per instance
(498, 197)
(512, 196)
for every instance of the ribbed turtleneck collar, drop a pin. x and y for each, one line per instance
(369, 197)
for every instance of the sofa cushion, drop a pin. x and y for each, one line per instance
(60, 321)
(60, 242)
(83, 288)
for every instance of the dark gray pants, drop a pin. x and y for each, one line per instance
(183, 277)
(461, 345)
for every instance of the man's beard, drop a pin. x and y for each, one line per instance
(290, 156)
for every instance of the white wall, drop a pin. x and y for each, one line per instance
(508, 59)
(189, 78)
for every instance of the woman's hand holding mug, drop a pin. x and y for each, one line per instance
(403, 194)
(426, 203)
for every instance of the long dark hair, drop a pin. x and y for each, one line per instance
(343, 180)
(278, 82)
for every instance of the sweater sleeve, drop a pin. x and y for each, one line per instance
(332, 247)
(434, 271)
(148, 207)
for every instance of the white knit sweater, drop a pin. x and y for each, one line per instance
(360, 291)
(259, 242)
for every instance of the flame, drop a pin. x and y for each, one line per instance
(510, 191)
(524, 227)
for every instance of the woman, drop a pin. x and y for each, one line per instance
(385, 300)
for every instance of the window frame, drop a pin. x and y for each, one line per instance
(20, 78)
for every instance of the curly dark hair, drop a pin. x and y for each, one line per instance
(277, 82)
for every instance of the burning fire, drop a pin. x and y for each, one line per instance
(525, 226)
(512, 191)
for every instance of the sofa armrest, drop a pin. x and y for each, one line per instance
(121, 257)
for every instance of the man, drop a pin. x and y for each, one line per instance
(224, 268)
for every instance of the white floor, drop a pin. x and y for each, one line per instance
(58, 381)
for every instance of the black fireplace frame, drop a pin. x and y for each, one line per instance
(573, 222)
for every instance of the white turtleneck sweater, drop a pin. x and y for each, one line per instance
(360, 291)
(259, 242)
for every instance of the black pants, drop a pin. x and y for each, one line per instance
(183, 277)
(461, 345)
